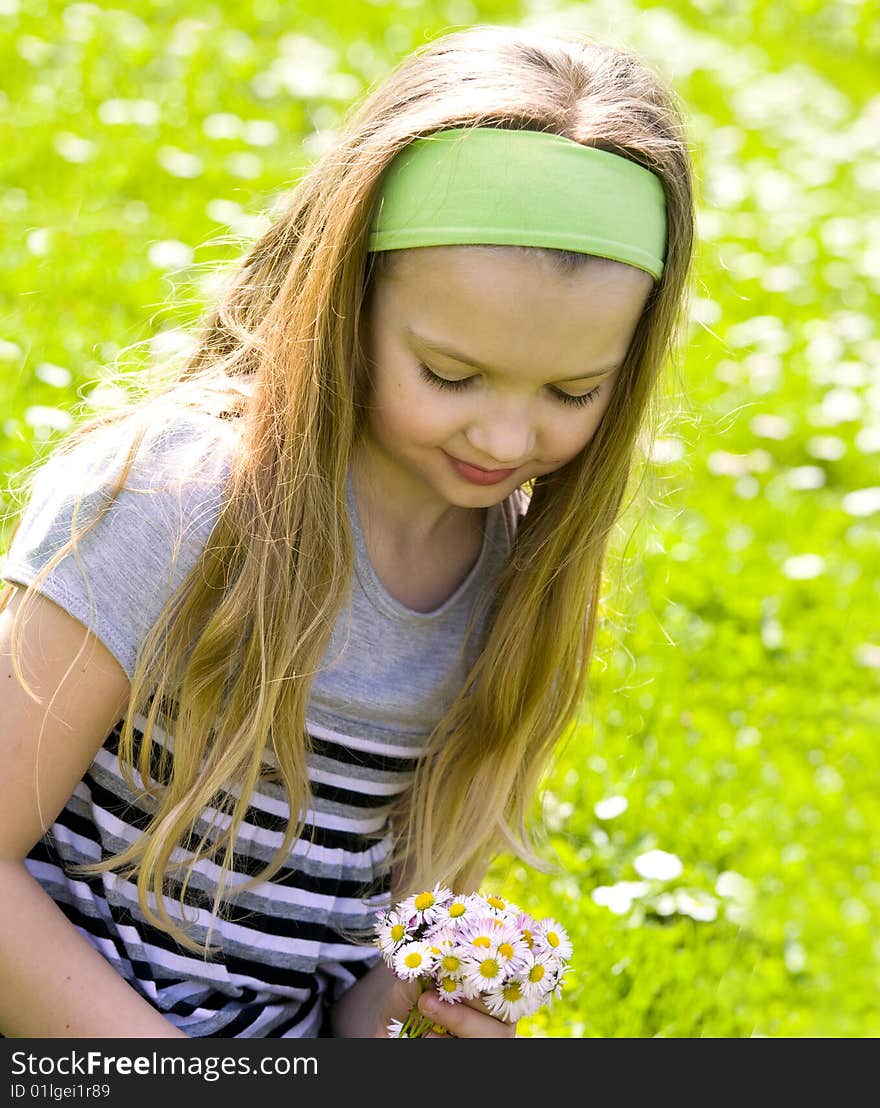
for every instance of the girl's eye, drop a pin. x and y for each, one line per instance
(457, 386)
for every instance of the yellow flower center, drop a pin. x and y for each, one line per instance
(423, 901)
(512, 991)
(457, 909)
(489, 968)
(552, 938)
(413, 959)
(450, 963)
(397, 931)
(482, 940)
(505, 950)
(448, 984)
(495, 901)
(527, 935)
(536, 973)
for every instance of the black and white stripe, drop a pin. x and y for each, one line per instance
(286, 946)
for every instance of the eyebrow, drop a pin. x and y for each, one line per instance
(449, 352)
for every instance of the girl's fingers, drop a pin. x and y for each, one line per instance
(466, 1020)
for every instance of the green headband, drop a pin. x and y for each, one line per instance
(523, 188)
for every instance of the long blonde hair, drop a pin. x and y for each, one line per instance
(236, 647)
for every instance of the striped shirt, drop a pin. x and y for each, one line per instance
(287, 948)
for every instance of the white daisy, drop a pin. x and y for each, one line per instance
(491, 935)
(448, 954)
(440, 934)
(498, 906)
(510, 946)
(392, 931)
(552, 937)
(510, 1002)
(540, 974)
(394, 1029)
(412, 959)
(484, 972)
(527, 927)
(480, 933)
(451, 988)
(423, 907)
(458, 909)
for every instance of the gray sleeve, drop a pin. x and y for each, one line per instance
(145, 544)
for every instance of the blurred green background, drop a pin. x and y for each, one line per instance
(716, 809)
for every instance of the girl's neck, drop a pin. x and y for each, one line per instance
(400, 516)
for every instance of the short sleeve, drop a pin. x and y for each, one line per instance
(140, 551)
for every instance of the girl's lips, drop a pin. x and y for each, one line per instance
(476, 475)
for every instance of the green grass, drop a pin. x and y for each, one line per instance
(736, 687)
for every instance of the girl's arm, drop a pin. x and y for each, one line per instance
(53, 982)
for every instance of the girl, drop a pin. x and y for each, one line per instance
(297, 633)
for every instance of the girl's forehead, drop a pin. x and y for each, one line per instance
(495, 299)
(469, 270)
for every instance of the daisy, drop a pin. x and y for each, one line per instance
(480, 932)
(394, 1029)
(451, 988)
(483, 972)
(552, 937)
(448, 954)
(510, 1002)
(391, 932)
(412, 960)
(498, 906)
(496, 936)
(440, 934)
(539, 975)
(510, 946)
(423, 907)
(458, 909)
(527, 927)
(554, 986)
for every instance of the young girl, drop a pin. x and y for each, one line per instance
(296, 634)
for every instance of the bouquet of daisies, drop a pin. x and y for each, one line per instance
(472, 946)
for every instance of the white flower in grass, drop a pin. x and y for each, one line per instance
(391, 931)
(413, 959)
(423, 907)
(394, 1029)
(509, 1001)
(552, 937)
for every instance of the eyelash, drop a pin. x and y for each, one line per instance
(457, 386)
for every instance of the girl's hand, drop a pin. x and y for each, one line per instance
(466, 1019)
(366, 1009)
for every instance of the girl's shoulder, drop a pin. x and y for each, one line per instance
(133, 546)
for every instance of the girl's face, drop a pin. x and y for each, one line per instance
(531, 356)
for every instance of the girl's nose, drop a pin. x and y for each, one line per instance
(505, 439)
